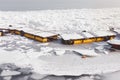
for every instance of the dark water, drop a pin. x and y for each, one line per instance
(23, 5)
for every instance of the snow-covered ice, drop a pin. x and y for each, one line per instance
(112, 76)
(71, 36)
(60, 52)
(73, 65)
(103, 33)
(39, 32)
(41, 56)
(9, 73)
(74, 19)
(87, 35)
(114, 41)
(87, 52)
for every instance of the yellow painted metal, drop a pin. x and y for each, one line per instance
(12, 31)
(17, 32)
(29, 35)
(89, 40)
(41, 39)
(45, 40)
(112, 37)
(55, 37)
(1, 33)
(51, 38)
(78, 41)
(98, 39)
(38, 38)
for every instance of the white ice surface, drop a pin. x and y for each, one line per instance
(114, 41)
(9, 73)
(39, 33)
(103, 33)
(117, 30)
(59, 21)
(59, 65)
(71, 36)
(112, 76)
(45, 34)
(87, 52)
(88, 35)
(71, 65)
(15, 57)
(60, 52)
(74, 19)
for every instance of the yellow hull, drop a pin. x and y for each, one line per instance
(1, 33)
(90, 40)
(17, 32)
(41, 39)
(29, 36)
(78, 41)
(55, 37)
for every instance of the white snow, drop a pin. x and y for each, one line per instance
(99, 33)
(9, 73)
(112, 76)
(114, 41)
(71, 36)
(103, 33)
(39, 32)
(15, 57)
(24, 51)
(86, 78)
(74, 19)
(59, 52)
(87, 52)
(117, 30)
(45, 34)
(88, 35)
(71, 65)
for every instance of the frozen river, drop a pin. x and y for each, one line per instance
(23, 5)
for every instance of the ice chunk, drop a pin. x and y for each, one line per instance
(9, 73)
(87, 52)
(60, 52)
